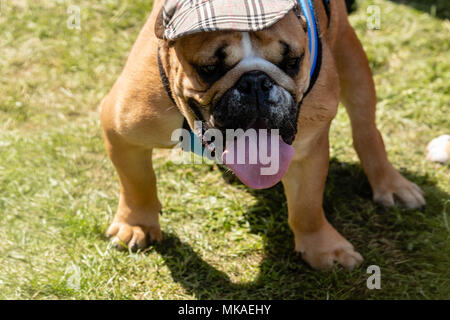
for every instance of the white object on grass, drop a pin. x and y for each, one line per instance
(438, 149)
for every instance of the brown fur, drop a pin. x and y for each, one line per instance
(138, 116)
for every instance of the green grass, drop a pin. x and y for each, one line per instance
(58, 190)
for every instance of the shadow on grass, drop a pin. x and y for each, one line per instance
(439, 8)
(384, 237)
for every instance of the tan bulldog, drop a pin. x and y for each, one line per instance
(220, 77)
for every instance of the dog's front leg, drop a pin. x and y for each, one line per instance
(137, 218)
(318, 242)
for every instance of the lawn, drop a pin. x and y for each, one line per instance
(59, 191)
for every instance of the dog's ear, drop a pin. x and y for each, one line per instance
(298, 12)
(159, 25)
(166, 13)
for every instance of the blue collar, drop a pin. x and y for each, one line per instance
(313, 35)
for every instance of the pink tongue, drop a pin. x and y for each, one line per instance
(263, 169)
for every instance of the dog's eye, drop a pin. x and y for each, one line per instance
(208, 73)
(208, 69)
(292, 65)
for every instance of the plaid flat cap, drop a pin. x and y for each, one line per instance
(185, 17)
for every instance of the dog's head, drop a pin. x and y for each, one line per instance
(241, 80)
(232, 80)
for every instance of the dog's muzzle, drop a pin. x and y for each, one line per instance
(256, 97)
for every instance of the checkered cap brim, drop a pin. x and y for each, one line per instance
(184, 17)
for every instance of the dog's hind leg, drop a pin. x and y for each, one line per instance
(359, 97)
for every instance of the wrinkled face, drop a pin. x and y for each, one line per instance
(234, 80)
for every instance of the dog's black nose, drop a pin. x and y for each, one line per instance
(255, 84)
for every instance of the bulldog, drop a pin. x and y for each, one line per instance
(285, 71)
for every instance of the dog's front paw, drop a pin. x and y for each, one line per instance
(125, 236)
(321, 249)
(397, 187)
